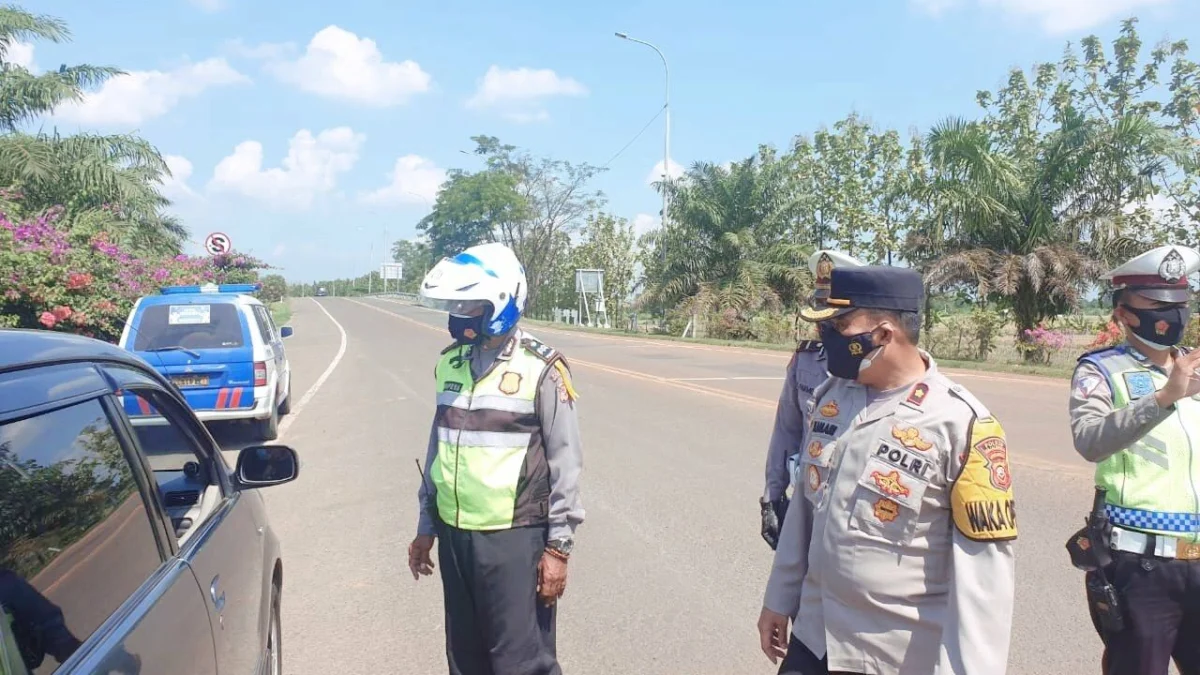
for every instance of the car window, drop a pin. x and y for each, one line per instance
(192, 326)
(189, 487)
(264, 326)
(76, 539)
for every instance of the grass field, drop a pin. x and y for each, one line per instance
(281, 312)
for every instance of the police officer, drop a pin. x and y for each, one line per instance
(1135, 414)
(805, 371)
(896, 554)
(500, 491)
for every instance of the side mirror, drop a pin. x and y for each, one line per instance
(266, 465)
(285, 331)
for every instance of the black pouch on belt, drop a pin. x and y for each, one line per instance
(1103, 598)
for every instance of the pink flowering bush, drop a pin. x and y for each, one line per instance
(1041, 343)
(75, 279)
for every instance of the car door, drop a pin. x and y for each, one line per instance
(272, 337)
(217, 530)
(87, 579)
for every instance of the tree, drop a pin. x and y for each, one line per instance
(417, 259)
(274, 288)
(608, 244)
(1032, 194)
(118, 173)
(470, 210)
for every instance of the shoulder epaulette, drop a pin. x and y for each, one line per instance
(976, 406)
(540, 349)
(809, 346)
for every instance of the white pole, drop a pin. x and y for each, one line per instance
(667, 126)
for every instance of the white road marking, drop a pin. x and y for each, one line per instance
(722, 379)
(312, 391)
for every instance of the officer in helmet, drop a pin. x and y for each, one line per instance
(805, 372)
(1135, 413)
(500, 493)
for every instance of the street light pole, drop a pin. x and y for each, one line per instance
(667, 110)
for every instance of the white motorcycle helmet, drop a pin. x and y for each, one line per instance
(486, 276)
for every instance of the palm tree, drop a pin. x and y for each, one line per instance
(1030, 224)
(85, 171)
(728, 249)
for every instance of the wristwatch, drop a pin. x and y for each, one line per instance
(562, 546)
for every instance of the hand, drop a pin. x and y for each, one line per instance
(552, 579)
(770, 525)
(773, 634)
(1182, 381)
(420, 563)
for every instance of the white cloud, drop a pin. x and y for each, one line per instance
(271, 51)
(644, 222)
(656, 173)
(21, 54)
(133, 98)
(311, 168)
(279, 250)
(1054, 16)
(209, 5)
(339, 64)
(175, 187)
(520, 92)
(413, 180)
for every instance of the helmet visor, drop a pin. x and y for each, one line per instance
(457, 307)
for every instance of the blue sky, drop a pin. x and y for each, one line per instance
(311, 131)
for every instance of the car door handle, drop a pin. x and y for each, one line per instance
(218, 600)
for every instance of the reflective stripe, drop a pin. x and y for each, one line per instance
(484, 439)
(486, 402)
(1154, 520)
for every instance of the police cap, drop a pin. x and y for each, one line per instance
(870, 287)
(1159, 274)
(821, 265)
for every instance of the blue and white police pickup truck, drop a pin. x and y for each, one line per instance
(219, 345)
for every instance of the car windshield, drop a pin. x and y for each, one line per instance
(189, 327)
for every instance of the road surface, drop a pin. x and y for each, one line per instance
(669, 568)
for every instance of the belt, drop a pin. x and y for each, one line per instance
(1162, 546)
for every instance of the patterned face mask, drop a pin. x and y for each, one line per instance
(845, 353)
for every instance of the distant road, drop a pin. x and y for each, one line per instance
(670, 569)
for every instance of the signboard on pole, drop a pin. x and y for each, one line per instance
(218, 243)
(590, 282)
(392, 271)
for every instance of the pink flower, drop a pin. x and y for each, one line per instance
(62, 312)
(47, 319)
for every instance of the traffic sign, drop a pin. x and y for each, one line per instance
(218, 243)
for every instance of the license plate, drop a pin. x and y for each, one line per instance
(190, 381)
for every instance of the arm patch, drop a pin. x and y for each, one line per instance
(981, 499)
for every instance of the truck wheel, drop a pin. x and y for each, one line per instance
(268, 429)
(286, 406)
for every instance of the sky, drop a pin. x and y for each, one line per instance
(314, 133)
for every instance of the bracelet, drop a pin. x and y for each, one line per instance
(557, 554)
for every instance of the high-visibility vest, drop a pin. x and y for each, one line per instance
(490, 472)
(1154, 484)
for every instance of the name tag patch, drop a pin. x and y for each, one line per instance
(453, 387)
(909, 462)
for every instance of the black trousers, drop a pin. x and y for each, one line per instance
(1162, 616)
(801, 661)
(494, 622)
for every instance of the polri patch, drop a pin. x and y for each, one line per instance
(1140, 384)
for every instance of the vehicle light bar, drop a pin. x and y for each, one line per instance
(211, 288)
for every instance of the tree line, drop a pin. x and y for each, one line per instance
(1069, 167)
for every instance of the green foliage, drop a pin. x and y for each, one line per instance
(417, 257)
(66, 275)
(274, 288)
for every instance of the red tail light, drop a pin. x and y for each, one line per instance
(260, 374)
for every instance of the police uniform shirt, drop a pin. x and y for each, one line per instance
(895, 555)
(1099, 430)
(805, 372)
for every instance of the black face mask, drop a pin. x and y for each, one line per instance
(467, 330)
(1162, 327)
(844, 354)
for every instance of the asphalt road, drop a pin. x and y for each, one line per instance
(669, 568)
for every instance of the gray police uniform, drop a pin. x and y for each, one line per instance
(805, 373)
(896, 554)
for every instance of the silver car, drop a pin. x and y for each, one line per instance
(127, 549)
